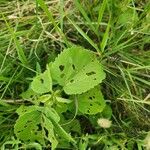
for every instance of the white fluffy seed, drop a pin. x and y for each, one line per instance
(104, 123)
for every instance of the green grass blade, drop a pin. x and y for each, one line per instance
(106, 36)
(85, 35)
(142, 80)
(19, 49)
(126, 82)
(83, 12)
(101, 12)
(61, 11)
(51, 19)
(48, 13)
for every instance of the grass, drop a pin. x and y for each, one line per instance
(32, 33)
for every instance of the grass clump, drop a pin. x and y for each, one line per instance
(33, 33)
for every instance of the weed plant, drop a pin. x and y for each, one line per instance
(34, 33)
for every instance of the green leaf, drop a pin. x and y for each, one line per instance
(63, 100)
(27, 109)
(46, 98)
(51, 114)
(32, 125)
(63, 133)
(28, 127)
(91, 102)
(28, 94)
(73, 125)
(61, 107)
(42, 83)
(77, 70)
(51, 136)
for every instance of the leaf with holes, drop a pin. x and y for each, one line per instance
(32, 124)
(52, 115)
(77, 70)
(42, 83)
(91, 102)
(28, 127)
(49, 132)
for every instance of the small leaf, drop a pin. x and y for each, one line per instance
(91, 102)
(28, 94)
(42, 83)
(51, 114)
(63, 100)
(45, 98)
(77, 70)
(26, 109)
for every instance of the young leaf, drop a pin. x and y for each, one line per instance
(77, 70)
(91, 102)
(63, 100)
(42, 83)
(46, 98)
(51, 114)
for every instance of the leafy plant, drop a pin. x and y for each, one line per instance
(33, 33)
(75, 73)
